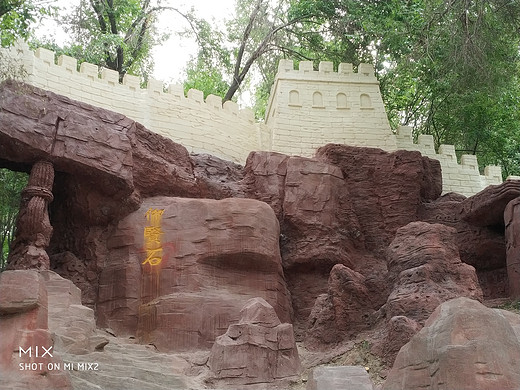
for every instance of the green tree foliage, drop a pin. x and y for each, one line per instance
(11, 186)
(447, 68)
(16, 17)
(255, 38)
(114, 34)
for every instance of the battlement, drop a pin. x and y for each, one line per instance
(325, 72)
(462, 177)
(203, 126)
(307, 109)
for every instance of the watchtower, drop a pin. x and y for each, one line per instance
(309, 108)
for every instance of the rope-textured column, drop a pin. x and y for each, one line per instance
(33, 227)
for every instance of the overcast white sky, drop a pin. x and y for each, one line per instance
(171, 57)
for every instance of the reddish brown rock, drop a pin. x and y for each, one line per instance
(512, 222)
(385, 189)
(258, 349)
(487, 207)
(203, 253)
(344, 311)
(396, 333)
(24, 329)
(463, 346)
(483, 247)
(425, 267)
(264, 179)
(217, 178)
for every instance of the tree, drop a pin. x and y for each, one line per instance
(114, 34)
(256, 37)
(447, 68)
(16, 17)
(12, 185)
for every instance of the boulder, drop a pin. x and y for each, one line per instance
(72, 324)
(463, 345)
(27, 356)
(339, 378)
(344, 311)
(259, 348)
(512, 222)
(487, 207)
(426, 270)
(483, 247)
(174, 254)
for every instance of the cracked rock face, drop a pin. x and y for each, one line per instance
(259, 348)
(463, 345)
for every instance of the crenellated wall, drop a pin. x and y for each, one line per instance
(463, 178)
(201, 126)
(307, 109)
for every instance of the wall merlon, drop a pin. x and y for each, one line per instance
(196, 95)
(470, 161)
(326, 66)
(493, 173)
(70, 64)
(366, 69)
(132, 82)
(46, 56)
(110, 76)
(345, 68)
(426, 141)
(231, 107)
(176, 90)
(155, 86)
(448, 151)
(306, 66)
(89, 70)
(214, 101)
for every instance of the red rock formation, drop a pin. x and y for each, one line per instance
(343, 312)
(259, 348)
(26, 345)
(463, 346)
(512, 222)
(385, 189)
(487, 207)
(483, 247)
(424, 265)
(213, 255)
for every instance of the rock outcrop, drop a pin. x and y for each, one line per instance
(174, 254)
(27, 357)
(259, 348)
(512, 222)
(463, 345)
(424, 265)
(355, 241)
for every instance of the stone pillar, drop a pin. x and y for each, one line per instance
(512, 222)
(33, 228)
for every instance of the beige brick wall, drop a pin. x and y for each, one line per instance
(306, 110)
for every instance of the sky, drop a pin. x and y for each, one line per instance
(171, 57)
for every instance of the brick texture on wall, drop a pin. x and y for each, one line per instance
(307, 109)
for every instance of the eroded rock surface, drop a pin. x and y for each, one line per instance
(259, 348)
(463, 345)
(26, 344)
(209, 254)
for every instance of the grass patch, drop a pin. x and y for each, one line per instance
(513, 306)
